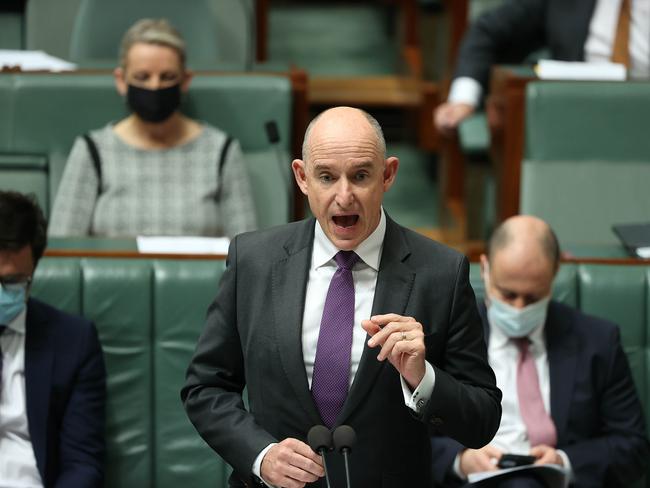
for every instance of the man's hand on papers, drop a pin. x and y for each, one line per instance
(479, 460)
(546, 455)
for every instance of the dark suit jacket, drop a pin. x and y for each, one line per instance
(594, 403)
(252, 338)
(514, 30)
(65, 390)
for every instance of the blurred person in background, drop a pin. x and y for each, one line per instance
(578, 30)
(156, 172)
(52, 375)
(568, 394)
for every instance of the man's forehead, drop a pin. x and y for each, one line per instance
(340, 146)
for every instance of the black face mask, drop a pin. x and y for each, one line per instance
(154, 105)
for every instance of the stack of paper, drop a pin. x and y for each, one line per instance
(182, 245)
(33, 61)
(548, 69)
(549, 474)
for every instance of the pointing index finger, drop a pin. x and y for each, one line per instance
(385, 319)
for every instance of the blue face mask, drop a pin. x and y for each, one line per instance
(517, 322)
(12, 301)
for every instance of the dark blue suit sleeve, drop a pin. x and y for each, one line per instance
(506, 34)
(619, 455)
(81, 439)
(444, 451)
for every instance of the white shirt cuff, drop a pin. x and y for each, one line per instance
(457, 471)
(417, 399)
(465, 90)
(567, 465)
(257, 465)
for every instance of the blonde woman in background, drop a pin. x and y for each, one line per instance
(156, 172)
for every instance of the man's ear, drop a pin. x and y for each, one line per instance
(299, 172)
(390, 172)
(120, 81)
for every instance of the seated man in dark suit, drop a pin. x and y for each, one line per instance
(568, 395)
(576, 30)
(52, 387)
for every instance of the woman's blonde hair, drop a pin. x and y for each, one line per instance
(152, 31)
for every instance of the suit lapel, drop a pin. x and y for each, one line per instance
(394, 284)
(38, 371)
(562, 356)
(289, 283)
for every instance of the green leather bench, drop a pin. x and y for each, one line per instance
(149, 313)
(41, 114)
(587, 161)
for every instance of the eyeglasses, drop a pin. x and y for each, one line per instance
(15, 283)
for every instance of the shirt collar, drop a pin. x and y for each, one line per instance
(18, 323)
(369, 251)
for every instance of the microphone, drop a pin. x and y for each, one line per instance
(319, 439)
(344, 438)
(273, 135)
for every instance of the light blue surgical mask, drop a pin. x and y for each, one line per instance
(12, 301)
(517, 322)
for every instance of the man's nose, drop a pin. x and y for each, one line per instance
(519, 302)
(344, 195)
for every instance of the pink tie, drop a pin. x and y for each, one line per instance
(540, 426)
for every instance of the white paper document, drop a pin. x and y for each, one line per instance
(643, 252)
(33, 61)
(552, 474)
(548, 69)
(182, 245)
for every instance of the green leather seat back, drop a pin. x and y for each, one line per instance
(587, 157)
(619, 293)
(241, 105)
(48, 25)
(11, 30)
(110, 290)
(117, 296)
(27, 174)
(46, 112)
(6, 114)
(183, 291)
(214, 30)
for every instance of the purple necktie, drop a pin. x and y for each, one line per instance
(331, 377)
(540, 426)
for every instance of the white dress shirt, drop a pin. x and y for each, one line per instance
(364, 275)
(17, 462)
(503, 355)
(602, 33)
(598, 46)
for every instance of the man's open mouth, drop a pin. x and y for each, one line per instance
(345, 220)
